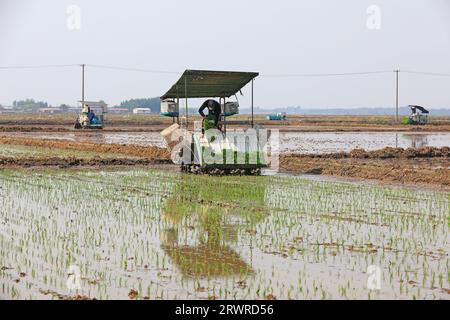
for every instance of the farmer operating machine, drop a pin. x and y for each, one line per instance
(419, 115)
(92, 115)
(211, 148)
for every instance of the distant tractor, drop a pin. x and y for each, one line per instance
(418, 116)
(277, 117)
(92, 115)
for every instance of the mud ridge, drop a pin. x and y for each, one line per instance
(153, 153)
(385, 153)
(75, 162)
(398, 171)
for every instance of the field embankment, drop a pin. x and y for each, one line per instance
(152, 123)
(410, 166)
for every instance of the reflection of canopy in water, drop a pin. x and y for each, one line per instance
(204, 260)
(216, 211)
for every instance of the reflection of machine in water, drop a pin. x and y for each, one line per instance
(203, 225)
(416, 140)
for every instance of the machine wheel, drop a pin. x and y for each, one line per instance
(77, 125)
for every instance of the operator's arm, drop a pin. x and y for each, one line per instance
(203, 107)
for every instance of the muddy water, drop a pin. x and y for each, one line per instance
(336, 142)
(295, 142)
(168, 235)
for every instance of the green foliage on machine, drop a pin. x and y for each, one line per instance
(406, 120)
(229, 156)
(208, 123)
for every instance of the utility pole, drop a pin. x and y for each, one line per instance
(252, 104)
(396, 94)
(82, 83)
(186, 97)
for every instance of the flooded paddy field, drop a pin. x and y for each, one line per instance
(150, 234)
(329, 142)
(292, 142)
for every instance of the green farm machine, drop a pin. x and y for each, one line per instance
(217, 151)
(418, 116)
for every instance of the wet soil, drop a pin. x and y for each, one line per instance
(427, 166)
(149, 153)
(62, 162)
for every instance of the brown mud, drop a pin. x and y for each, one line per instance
(385, 153)
(149, 153)
(425, 166)
(67, 162)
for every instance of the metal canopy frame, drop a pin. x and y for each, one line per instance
(210, 84)
(420, 108)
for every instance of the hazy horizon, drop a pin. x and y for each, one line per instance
(284, 37)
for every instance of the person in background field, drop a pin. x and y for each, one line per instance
(214, 111)
(90, 114)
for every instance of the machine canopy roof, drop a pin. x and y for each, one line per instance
(421, 109)
(209, 84)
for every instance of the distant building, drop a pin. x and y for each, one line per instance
(142, 111)
(118, 110)
(49, 110)
(5, 109)
(74, 110)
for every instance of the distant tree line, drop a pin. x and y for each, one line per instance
(29, 104)
(152, 103)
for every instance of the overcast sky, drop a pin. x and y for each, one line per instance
(272, 37)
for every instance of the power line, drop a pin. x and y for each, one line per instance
(292, 75)
(427, 73)
(40, 66)
(88, 65)
(131, 69)
(323, 74)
